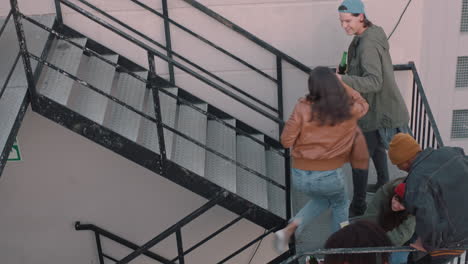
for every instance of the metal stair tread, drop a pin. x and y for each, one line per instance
(276, 172)
(131, 91)
(251, 155)
(222, 139)
(148, 134)
(100, 75)
(192, 123)
(53, 84)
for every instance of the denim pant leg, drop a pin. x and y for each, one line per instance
(377, 152)
(399, 257)
(339, 203)
(326, 190)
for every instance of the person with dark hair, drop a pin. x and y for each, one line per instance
(387, 210)
(323, 134)
(360, 234)
(436, 187)
(370, 72)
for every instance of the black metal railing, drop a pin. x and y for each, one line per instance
(4, 85)
(372, 250)
(174, 229)
(422, 123)
(154, 120)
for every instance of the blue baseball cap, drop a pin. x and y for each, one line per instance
(352, 6)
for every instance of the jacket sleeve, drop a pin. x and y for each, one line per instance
(402, 233)
(422, 207)
(371, 80)
(374, 206)
(292, 128)
(360, 106)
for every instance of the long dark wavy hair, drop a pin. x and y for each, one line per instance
(389, 219)
(356, 235)
(331, 104)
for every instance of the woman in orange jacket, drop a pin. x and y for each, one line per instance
(324, 135)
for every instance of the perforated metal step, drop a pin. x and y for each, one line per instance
(131, 91)
(252, 155)
(193, 124)
(53, 84)
(100, 75)
(222, 139)
(148, 132)
(275, 171)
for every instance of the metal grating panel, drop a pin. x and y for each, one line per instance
(252, 155)
(148, 130)
(99, 74)
(132, 92)
(187, 154)
(461, 80)
(222, 139)
(460, 124)
(275, 171)
(464, 17)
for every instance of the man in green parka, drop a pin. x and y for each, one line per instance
(370, 72)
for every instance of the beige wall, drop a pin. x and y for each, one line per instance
(306, 30)
(65, 178)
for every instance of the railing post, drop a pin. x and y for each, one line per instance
(180, 248)
(217, 199)
(157, 111)
(99, 247)
(58, 10)
(167, 32)
(279, 82)
(24, 51)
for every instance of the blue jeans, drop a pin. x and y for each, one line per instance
(399, 257)
(387, 134)
(326, 190)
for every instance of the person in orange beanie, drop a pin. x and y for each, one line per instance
(437, 182)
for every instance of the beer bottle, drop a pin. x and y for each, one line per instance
(342, 67)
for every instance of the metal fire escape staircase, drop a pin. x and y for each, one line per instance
(146, 118)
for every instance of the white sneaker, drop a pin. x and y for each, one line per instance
(281, 241)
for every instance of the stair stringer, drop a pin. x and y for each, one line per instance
(150, 160)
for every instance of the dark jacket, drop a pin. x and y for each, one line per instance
(370, 72)
(400, 234)
(436, 194)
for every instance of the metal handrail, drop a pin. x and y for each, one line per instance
(7, 19)
(100, 231)
(248, 35)
(10, 73)
(219, 197)
(126, 26)
(427, 108)
(166, 58)
(141, 79)
(206, 41)
(366, 250)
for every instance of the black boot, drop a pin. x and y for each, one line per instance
(358, 205)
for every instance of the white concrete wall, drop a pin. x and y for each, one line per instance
(65, 177)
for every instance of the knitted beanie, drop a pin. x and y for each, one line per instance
(402, 148)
